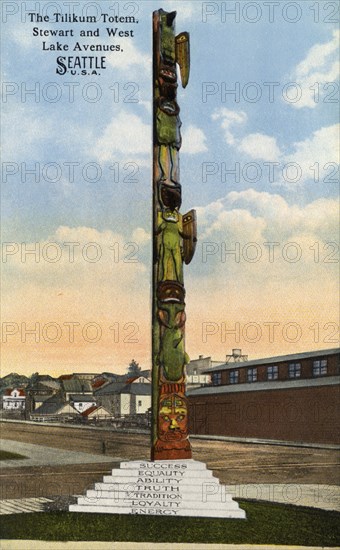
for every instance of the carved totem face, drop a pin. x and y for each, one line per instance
(173, 418)
(170, 215)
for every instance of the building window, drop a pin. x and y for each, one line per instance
(252, 375)
(216, 378)
(233, 377)
(272, 372)
(294, 370)
(139, 403)
(319, 367)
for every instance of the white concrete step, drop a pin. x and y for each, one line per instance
(187, 492)
(164, 464)
(225, 513)
(205, 487)
(165, 473)
(184, 488)
(190, 496)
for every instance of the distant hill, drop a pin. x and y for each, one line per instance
(13, 379)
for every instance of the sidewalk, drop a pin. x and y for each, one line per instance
(22, 505)
(39, 455)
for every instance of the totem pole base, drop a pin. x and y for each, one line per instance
(160, 488)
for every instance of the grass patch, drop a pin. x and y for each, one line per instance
(266, 523)
(6, 455)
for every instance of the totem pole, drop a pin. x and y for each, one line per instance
(174, 241)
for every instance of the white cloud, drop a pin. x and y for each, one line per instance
(252, 224)
(228, 119)
(146, 104)
(313, 158)
(130, 58)
(257, 146)
(187, 9)
(193, 141)
(319, 67)
(126, 134)
(140, 236)
(76, 258)
(233, 222)
(317, 55)
(208, 212)
(317, 150)
(319, 217)
(260, 146)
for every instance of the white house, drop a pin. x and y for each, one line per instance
(127, 397)
(82, 402)
(14, 399)
(135, 396)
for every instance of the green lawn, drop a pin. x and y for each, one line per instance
(5, 455)
(266, 523)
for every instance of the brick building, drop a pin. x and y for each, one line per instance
(291, 398)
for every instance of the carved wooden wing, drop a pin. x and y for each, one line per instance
(183, 56)
(190, 235)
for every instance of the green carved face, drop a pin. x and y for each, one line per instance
(172, 315)
(170, 215)
(168, 43)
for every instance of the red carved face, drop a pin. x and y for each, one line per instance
(172, 418)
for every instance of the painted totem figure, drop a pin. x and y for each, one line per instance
(174, 244)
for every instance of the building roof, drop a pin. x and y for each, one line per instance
(91, 410)
(110, 389)
(40, 387)
(85, 374)
(82, 397)
(132, 379)
(137, 389)
(98, 383)
(52, 406)
(76, 386)
(21, 392)
(42, 397)
(54, 384)
(276, 359)
(146, 373)
(265, 386)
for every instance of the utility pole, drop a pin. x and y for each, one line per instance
(174, 242)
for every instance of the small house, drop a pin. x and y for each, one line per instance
(82, 402)
(14, 399)
(96, 413)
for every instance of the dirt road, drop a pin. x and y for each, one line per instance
(233, 463)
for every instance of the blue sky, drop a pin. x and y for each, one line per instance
(219, 133)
